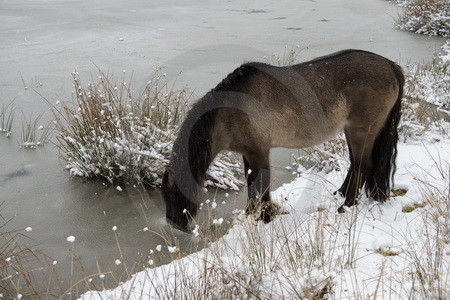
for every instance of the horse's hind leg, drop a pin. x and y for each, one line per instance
(361, 143)
(257, 170)
(350, 174)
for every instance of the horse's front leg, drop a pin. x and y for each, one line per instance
(257, 171)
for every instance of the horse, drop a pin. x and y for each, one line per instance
(259, 106)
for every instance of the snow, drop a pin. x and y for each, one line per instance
(173, 249)
(446, 52)
(371, 250)
(218, 222)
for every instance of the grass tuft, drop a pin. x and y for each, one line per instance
(110, 131)
(6, 119)
(33, 134)
(430, 17)
(289, 57)
(426, 103)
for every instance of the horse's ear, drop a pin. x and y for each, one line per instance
(168, 177)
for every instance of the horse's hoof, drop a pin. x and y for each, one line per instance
(342, 209)
(339, 192)
(266, 217)
(268, 213)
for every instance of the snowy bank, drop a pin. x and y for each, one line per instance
(394, 250)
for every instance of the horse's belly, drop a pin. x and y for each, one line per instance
(305, 134)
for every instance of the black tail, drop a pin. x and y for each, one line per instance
(384, 153)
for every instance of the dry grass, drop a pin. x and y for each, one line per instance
(34, 134)
(290, 57)
(22, 267)
(431, 271)
(6, 119)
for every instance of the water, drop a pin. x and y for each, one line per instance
(41, 42)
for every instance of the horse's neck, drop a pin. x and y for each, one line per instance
(194, 148)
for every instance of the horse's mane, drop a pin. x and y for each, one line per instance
(236, 79)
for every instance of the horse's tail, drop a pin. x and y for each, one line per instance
(384, 152)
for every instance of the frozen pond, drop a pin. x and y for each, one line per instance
(43, 41)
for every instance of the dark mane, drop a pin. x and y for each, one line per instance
(235, 80)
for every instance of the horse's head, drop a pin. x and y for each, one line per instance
(179, 208)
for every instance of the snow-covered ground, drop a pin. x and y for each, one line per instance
(373, 250)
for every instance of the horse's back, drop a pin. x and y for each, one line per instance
(308, 103)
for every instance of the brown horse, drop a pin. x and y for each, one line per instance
(259, 107)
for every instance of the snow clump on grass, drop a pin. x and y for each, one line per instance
(110, 131)
(426, 103)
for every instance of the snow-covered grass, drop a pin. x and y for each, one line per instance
(112, 132)
(426, 104)
(430, 82)
(430, 17)
(329, 156)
